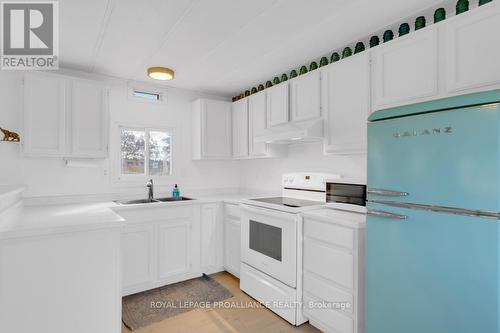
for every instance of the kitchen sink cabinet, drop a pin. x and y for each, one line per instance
(211, 130)
(160, 246)
(64, 117)
(174, 246)
(346, 103)
(137, 248)
(232, 239)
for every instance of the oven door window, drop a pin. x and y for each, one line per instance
(265, 239)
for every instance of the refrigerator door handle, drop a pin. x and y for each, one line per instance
(386, 215)
(387, 193)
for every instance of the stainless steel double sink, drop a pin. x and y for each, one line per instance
(146, 201)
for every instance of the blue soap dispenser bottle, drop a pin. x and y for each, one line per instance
(175, 191)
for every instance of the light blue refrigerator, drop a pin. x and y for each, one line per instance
(432, 235)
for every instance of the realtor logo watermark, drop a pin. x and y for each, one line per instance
(30, 35)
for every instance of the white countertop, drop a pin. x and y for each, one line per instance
(43, 219)
(47, 219)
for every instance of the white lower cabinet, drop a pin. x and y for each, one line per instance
(174, 246)
(211, 239)
(138, 246)
(159, 246)
(232, 239)
(333, 270)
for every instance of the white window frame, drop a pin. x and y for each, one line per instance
(145, 175)
(133, 87)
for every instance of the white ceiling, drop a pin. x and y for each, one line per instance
(216, 46)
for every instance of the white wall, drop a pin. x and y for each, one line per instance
(45, 177)
(265, 174)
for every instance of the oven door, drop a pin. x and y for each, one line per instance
(269, 242)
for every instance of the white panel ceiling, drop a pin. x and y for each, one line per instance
(216, 46)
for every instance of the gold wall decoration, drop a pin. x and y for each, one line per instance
(9, 136)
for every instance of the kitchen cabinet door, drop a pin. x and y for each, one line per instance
(346, 104)
(211, 239)
(89, 119)
(174, 249)
(257, 123)
(277, 105)
(305, 93)
(212, 129)
(240, 128)
(232, 242)
(405, 70)
(45, 100)
(138, 252)
(473, 50)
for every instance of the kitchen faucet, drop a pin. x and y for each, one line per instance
(149, 185)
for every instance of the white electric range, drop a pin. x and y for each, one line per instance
(271, 243)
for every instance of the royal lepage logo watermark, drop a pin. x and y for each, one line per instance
(30, 35)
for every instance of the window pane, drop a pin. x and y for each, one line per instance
(160, 153)
(132, 151)
(147, 95)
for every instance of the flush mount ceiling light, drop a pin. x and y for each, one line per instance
(160, 73)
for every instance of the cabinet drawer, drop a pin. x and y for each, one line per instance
(329, 320)
(269, 291)
(329, 233)
(233, 211)
(329, 293)
(329, 263)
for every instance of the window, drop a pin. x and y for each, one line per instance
(145, 152)
(147, 95)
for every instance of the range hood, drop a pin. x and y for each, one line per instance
(303, 132)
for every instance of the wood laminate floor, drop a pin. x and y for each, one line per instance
(247, 320)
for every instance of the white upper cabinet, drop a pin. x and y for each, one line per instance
(44, 115)
(473, 50)
(257, 123)
(212, 129)
(305, 96)
(240, 128)
(89, 119)
(64, 116)
(277, 105)
(405, 70)
(346, 104)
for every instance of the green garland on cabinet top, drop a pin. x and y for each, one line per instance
(388, 35)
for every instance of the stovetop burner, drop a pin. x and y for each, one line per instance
(289, 202)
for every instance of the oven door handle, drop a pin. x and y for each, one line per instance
(268, 212)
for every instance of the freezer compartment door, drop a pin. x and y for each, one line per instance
(430, 272)
(447, 158)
